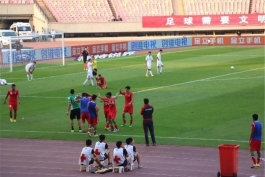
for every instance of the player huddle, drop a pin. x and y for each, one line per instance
(85, 107)
(122, 155)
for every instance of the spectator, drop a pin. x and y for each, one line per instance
(119, 18)
(113, 18)
(53, 35)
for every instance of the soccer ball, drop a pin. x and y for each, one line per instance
(232, 67)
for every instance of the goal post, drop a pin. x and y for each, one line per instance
(20, 50)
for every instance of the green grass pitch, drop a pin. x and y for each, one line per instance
(198, 100)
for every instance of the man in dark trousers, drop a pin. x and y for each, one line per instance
(147, 113)
(85, 54)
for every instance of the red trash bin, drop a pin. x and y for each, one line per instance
(228, 155)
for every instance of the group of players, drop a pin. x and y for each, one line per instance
(122, 155)
(84, 107)
(159, 63)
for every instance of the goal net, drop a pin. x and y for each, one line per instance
(17, 51)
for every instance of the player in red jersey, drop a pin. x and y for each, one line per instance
(105, 101)
(128, 106)
(112, 111)
(13, 102)
(101, 82)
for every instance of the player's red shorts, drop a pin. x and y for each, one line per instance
(128, 109)
(85, 117)
(112, 115)
(93, 121)
(255, 145)
(12, 106)
(106, 114)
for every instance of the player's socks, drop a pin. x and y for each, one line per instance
(15, 118)
(95, 132)
(253, 160)
(116, 126)
(151, 73)
(85, 82)
(92, 82)
(107, 124)
(84, 66)
(146, 73)
(31, 76)
(161, 69)
(131, 121)
(28, 76)
(258, 160)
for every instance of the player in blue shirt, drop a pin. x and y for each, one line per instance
(93, 115)
(255, 140)
(84, 111)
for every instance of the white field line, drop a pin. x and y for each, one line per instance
(155, 88)
(139, 136)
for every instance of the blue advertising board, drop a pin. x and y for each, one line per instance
(159, 44)
(33, 55)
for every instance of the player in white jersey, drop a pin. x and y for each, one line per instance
(149, 60)
(87, 156)
(131, 149)
(102, 149)
(159, 62)
(89, 73)
(30, 67)
(4, 82)
(121, 156)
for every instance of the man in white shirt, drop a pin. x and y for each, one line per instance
(159, 62)
(121, 156)
(30, 67)
(149, 60)
(102, 149)
(87, 156)
(89, 72)
(131, 149)
(53, 35)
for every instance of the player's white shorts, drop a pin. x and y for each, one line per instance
(28, 69)
(149, 66)
(159, 63)
(89, 75)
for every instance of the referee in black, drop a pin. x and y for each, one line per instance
(85, 54)
(147, 113)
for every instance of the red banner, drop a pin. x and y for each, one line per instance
(202, 20)
(95, 49)
(228, 40)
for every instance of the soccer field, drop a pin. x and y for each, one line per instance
(198, 99)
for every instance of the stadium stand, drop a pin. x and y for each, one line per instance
(17, 1)
(212, 7)
(134, 10)
(258, 6)
(80, 10)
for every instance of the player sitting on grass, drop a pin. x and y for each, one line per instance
(102, 149)
(4, 82)
(87, 156)
(101, 82)
(121, 156)
(131, 149)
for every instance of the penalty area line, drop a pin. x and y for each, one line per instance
(123, 135)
